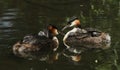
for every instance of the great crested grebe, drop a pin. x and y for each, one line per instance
(32, 43)
(87, 37)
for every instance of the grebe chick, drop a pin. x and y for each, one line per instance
(32, 43)
(87, 37)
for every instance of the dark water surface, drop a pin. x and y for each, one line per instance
(21, 17)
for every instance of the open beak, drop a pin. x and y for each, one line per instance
(67, 26)
(61, 33)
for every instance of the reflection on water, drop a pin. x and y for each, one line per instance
(6, 25)
(20, 17)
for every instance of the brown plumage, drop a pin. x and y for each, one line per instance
(85, 37)
(35, 43)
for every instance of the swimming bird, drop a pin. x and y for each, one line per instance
(84, 37)
(34, 43)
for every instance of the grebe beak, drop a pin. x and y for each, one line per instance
(74, 23)
(67, 26)
(61, 33)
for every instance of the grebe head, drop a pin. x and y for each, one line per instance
(52, 30)
(72, 22)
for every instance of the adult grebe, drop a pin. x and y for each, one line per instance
(87, 37)
(32, 43)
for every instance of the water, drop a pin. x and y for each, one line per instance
(21, 17)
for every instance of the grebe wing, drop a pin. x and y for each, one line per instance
(33, 38)
(78, 35)
(92, 29)
(41, 33)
